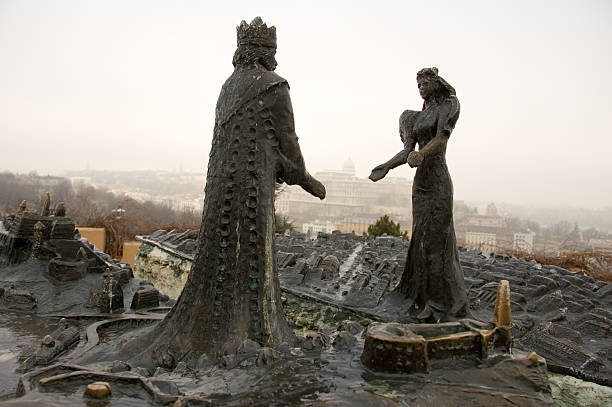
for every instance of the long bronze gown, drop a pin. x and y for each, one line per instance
(232, 292)
(433, 276)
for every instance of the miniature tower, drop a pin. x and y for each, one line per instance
(38, 237)
(46, 206)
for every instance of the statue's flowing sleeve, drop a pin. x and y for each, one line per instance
(448, 115)
(406, 125)
(291, 168)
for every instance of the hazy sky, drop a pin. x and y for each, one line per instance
(133, 85)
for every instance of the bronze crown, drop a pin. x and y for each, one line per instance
(256, 33)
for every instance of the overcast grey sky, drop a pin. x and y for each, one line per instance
(133, 85)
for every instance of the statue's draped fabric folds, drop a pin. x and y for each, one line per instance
(233, 293)
(432, 281)
(433, 278)
(237, 235)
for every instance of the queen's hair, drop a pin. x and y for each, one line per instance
(444, 89)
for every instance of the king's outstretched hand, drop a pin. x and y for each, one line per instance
(313, 186)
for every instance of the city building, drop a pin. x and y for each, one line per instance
(78, 182)
(317, 226)
(573, 242)
(486, 233)
(481, 238)
(601, 245)
(523, 242)
(359, 226)
(491, 218)
(348, 198)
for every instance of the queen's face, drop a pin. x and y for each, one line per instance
(427, 87)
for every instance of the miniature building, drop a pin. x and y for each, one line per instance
(67, 270)
(17, 233)
(405, 348)
(22, 226)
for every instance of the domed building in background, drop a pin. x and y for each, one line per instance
(351, 204)
(349, 167)
(492, 211)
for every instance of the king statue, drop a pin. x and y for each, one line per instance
(232, 293)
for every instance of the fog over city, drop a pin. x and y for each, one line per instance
(132, 85)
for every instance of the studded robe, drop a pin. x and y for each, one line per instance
(232, 292)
